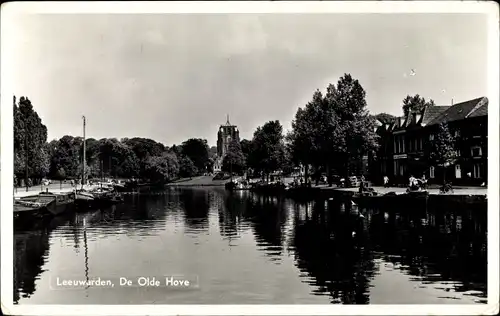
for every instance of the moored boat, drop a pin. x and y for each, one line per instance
(61, 201)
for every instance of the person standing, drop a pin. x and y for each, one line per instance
(386, 181)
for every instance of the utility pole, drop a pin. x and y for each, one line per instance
(84, 150)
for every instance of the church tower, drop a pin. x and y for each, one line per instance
(226, 134)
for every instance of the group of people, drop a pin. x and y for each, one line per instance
(414, 183)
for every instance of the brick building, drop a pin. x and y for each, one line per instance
(405, 144)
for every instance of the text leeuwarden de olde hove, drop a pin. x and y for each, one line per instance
(169, 281)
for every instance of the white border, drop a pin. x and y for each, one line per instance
(9, 10)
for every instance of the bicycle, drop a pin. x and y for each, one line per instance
(446, 188)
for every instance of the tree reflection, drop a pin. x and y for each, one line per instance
(230, 214)
(196, 205)
(268, 217)
(30, 251)
(326, 250)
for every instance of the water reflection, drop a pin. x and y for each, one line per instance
(196, 204)
(268, 217)
(30, 252)
(444, 248)
(325, 251)
(339, 263)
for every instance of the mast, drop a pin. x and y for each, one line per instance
(84, 150)
(26, 158)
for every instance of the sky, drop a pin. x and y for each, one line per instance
(171, 77)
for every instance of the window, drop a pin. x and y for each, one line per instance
(431, 137)
(477, 171)
(476, 151)
(457, 133)
(458, 172)
(431, 172)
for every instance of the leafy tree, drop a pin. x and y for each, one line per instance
(385, 118)
(30, 137)
(187, 168)
(162, 169)
(196, 150)
(269, 148)
(307, 131)
(354, 133)
(65, 153)
(60, 174)
(246, 146)
(144, 148)
(212, 151)
(118, 159)
(334, 131)
(415, 104)
(177, 150)
(234, 160)
(442, 152)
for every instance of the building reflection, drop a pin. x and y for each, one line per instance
(435, 245)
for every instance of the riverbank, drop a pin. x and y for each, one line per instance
(201, 181)
(386, 197)
(50, 188)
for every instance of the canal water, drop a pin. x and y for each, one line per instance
(242, 248)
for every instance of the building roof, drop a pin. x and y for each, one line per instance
(480, 110)
(431, 112)
(461, 111)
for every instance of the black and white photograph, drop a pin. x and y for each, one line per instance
(260, 157)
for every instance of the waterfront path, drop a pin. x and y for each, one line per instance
(200, 181)
(383, 190)
(208, 181)
(54, 188)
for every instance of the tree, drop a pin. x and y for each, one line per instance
(269, 148)
(144, 148)
(354, 129)
(187, 169)
(308, 133)
(196, 150)
(385, 118)
(212, 151)
(65, 153)
(118, 159)
(30, 137)
(162, 169)
(234, 160)
(60, 174)
(333, 131)
(442, 151)
(415, 104)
